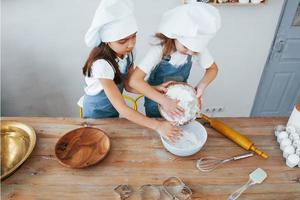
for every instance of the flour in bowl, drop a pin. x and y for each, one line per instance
(187, 98)
(188, 141)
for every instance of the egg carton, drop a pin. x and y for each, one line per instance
(289, 141)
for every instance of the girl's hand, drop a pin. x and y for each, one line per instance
(169, 130)
(172, 108)
(199, 96)
(162, 88)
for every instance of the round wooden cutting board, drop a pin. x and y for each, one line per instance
(82, 147)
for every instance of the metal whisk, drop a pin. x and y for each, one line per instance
(208, 164)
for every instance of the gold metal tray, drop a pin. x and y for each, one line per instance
(17, 143)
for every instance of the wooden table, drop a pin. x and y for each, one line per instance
(137, 157)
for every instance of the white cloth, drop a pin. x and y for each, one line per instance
(113, 20)
(154, 57)
(193, 24)
(294, 119)
(101, 69)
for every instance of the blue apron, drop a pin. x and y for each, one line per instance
(99, 106)
(164, 72)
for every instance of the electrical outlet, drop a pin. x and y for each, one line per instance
(215, 109)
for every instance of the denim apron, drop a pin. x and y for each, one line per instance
(99, 106)
(164, 72)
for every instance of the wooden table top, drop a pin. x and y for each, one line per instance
(137, 157)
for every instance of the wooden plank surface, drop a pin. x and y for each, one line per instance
(137, 157)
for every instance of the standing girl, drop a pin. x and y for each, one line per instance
(183, 35)
(113, 35)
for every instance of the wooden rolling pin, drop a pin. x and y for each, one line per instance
(233, 135)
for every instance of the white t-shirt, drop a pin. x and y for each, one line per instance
(154, 57)
(101, 69)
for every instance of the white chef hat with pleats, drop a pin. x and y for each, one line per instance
(193, 24)
(113, 20)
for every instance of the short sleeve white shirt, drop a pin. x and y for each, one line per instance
(154, 57)
(101, 69)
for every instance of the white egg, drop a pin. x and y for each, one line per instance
(292, 160)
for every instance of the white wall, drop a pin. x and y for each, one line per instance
(43, 52)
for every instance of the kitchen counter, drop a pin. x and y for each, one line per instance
(137, 157)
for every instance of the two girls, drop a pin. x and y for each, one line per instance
(113, 35)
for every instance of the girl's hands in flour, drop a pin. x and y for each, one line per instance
(162, 88)
(169, 131)
(172, 108)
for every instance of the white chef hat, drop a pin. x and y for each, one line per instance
(193, 24)
(113, 20)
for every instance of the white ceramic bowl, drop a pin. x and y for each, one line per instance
(199, 132)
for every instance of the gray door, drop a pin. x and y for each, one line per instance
(279, 87)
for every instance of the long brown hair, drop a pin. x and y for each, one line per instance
(103, 51)
(167, 43)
